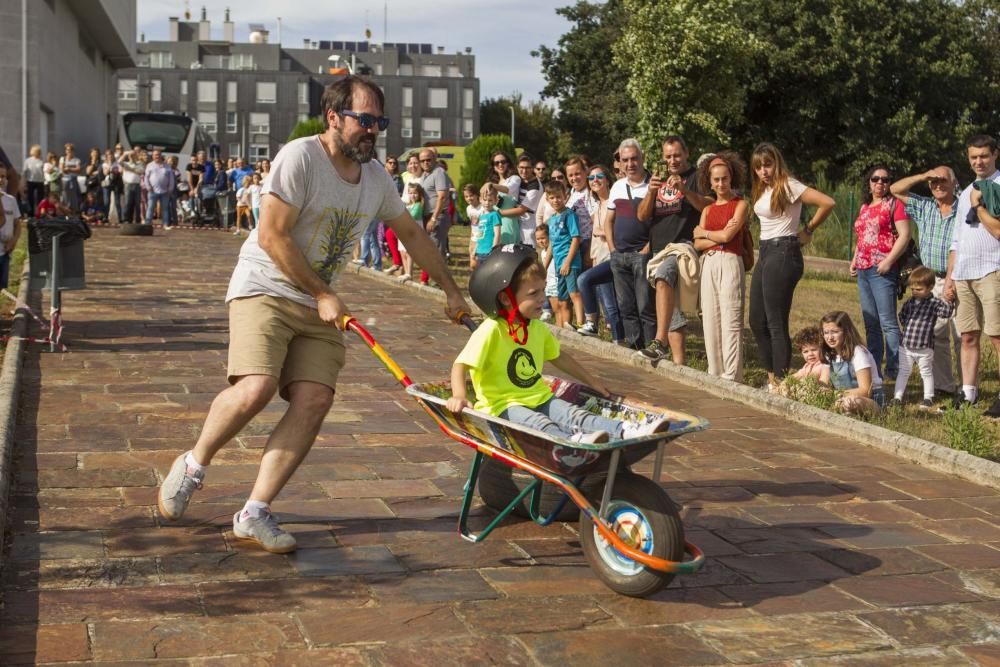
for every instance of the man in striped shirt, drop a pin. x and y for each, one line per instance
(935, 218)
(974, 269)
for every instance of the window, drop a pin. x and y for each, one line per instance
(231, 92)
(378, 69)
(467, 128)
(155, 90)
(127, 89)
(430, 70)
(437, 98)
(209, 121)
(231, 124)
(260, 123)
(241, 61)
(407, 97)
(453, 71)
(405, 69)
(303, 92)
(163, 59)
(208, 91)
(184, 87)
(267, 92)
(259, 152)
(407, 128)
(302, 117)
(215, 62)
(430, 128)
(467, 95)
(234, 150)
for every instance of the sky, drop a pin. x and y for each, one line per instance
(501, 34)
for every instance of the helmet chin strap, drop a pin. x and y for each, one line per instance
(517, 325)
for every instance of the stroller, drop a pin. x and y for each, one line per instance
(207, 209)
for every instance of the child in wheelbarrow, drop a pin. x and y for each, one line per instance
(505, 356)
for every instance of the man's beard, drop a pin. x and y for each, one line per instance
(355, 153)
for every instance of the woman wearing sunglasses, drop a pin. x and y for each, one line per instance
(596, 284)
(883, 231)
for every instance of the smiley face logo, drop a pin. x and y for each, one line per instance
(521, 369)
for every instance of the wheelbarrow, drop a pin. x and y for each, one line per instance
(632, 534)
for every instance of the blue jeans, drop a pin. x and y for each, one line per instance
(635, 297)
(561, 419)
(164, 199)
(878, 308)
(370, 246)
(597, 285)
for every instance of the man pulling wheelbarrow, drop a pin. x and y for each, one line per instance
(285, 319)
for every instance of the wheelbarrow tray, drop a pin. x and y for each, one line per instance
(558, 455)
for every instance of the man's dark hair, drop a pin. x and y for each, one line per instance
(339, 96)
(675, 139)
(982, 141)
(524, 157)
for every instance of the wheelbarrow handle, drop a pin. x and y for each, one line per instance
(352, 324)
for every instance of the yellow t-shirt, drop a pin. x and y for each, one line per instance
(505, 373)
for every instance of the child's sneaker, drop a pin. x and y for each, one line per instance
(177, 488)
(589, 328)
(631, 430)
(264, 530)
(655, 351)
(927, 405)
(592, 438)
(896, 403)
(546, 316)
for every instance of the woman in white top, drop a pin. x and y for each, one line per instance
(69, 165)
(596, 284)
(777, 201)
(34, 177)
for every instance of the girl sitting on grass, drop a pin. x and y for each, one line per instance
(853, 370)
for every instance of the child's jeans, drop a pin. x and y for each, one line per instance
(924, 358)
(561, 419)
(370, 246)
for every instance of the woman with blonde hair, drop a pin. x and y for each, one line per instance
(34, 177)
(777, 198)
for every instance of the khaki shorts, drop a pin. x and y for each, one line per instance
(979, 304)
(283, 339)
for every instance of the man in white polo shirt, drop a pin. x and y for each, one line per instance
(974, 268)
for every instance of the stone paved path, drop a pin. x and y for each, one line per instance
(821, 551)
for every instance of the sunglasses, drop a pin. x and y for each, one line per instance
(427, 159)
(367, 120)
(596, 177)
(499, 162)
(937, 182)
(539, 168)
(881, 179)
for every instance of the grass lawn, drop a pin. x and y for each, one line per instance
(816, 295)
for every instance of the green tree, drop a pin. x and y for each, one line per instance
(307, 128)
(595, 110)
(535, 128)
(686, 68)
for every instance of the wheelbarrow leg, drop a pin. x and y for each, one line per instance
(610, 483)
(470, 488)
(658, 464)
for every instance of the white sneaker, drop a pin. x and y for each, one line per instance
(546, 316)
(591, 438)
(406, 276)
(631, 430)
(588, 329)
(359, 262)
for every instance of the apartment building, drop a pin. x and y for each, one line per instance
(249, 95)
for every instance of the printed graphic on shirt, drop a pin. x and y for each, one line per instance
(521, 369)
(336, 237)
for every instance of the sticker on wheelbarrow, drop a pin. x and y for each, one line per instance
(571, 457)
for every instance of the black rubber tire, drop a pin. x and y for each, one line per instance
(663, 521)
(499, 484)
(131, 229)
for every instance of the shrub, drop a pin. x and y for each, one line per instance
(307, 128)
(966, 430)
(810, 392)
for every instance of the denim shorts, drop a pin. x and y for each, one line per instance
(567, 284)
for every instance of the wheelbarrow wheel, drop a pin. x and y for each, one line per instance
(499, 484)
(643, 515)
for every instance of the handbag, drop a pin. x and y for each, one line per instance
(748, 257)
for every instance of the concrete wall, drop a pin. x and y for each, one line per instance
(73, 49)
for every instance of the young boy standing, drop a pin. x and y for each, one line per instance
(916, 319)
(473, 210)
(506, 354)
(564, 235)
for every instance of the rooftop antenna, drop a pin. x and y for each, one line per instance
(368, 28)
(279, 31)
(385, 22)
(187, 10)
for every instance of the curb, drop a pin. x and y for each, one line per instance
(915, 450)
(10, 389)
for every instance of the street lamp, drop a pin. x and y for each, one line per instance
(512, 127)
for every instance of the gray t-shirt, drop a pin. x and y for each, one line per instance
(435, 184)
(332, 216)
